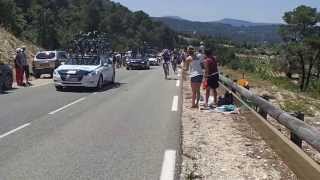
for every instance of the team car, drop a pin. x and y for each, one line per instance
(85, 71)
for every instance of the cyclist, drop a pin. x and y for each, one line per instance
(174, 61)
(166, 60)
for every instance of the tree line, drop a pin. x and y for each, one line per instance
(52, 24)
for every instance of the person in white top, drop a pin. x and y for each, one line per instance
(196, 74)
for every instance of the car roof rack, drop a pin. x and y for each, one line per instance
(90, 44)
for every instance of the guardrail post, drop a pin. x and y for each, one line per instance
(293, 137)
(261, 111)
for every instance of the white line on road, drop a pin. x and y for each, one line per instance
(14, 130)
(174, 106)
(168, 165)
(66, 106)
(178, 83)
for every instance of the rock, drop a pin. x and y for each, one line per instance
(258, 157)
(317, 157)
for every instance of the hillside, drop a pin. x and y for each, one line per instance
(251, 33)
(8, 45)
(239, 23)
(53, 24)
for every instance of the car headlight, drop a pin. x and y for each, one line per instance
(93, 73)
(55, 72)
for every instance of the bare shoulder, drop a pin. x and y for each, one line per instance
(189, 58)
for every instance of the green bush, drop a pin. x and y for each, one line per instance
(315, 89)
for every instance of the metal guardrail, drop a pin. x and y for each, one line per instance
(301, 129)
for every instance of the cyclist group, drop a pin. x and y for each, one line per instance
(202, 68)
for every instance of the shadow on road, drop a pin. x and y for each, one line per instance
(172, 78)
(91, 90)
(8, 91)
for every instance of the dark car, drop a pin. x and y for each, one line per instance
(6, 77)
(138, 62)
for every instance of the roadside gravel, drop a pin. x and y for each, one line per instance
(224, 146)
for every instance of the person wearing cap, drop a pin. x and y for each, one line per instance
(26, 72)
(18, 64)
(196, 74)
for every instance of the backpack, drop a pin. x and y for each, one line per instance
(228, 98)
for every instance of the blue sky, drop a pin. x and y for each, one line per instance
(211, 10)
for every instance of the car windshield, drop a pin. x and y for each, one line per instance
(90, 61)
(46, 55)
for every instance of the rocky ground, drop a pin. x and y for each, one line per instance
(224, 146)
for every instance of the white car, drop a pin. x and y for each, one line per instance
(87, 71)
(153, 60)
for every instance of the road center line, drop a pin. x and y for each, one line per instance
(178, 83)
(14, 130)
(168, 165)
(174, 106)
(66, 106)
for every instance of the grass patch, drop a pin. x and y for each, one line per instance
(297, 106)
(285, 83)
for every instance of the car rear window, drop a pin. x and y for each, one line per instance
(46, 55)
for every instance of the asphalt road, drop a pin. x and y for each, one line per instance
(121, 132)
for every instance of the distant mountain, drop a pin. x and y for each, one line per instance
(239, 23)
(174, 17)
(236, 30)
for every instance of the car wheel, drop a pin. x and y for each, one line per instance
(113, 77)
(100, 83)
(8, 82)
(128, 68)
(59, 88)
(37, 75)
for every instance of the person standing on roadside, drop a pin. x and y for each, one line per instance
(25, 65)
(211, 76)
(18, 64)
(196, 75)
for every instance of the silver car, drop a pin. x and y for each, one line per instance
(46, 61)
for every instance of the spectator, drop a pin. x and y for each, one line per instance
(25, 65)
(196, 75)
(19, 67)
(211, 76)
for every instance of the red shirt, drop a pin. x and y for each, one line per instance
(212, 65)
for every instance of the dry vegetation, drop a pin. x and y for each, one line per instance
(8, 45)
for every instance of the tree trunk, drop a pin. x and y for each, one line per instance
(303, 72)
(312, 61)
(318, 69)
(309, 74)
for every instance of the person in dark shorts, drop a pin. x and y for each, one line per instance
(211, 76)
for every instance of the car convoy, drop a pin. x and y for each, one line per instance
(89, 62)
